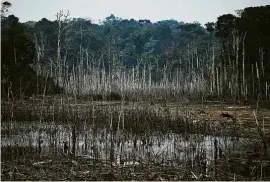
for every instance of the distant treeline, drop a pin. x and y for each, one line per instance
(235, 50)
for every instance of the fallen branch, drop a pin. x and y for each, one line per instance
(41, 163)
(194, 175)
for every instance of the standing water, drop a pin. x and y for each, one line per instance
(118, 148)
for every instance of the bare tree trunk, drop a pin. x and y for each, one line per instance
(61, 18)
(243, 64)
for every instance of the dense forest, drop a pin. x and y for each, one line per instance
(137, 59)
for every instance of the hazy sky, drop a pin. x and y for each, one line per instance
(182, 10)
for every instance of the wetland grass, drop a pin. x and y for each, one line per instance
(119, 140)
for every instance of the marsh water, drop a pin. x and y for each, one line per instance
(117, 147)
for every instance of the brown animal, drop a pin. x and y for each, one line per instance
(226, 115)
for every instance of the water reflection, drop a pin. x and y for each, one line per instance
(116, 147)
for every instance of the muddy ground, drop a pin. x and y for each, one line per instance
(247, 161)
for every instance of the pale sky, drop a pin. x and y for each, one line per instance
(155, 10)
